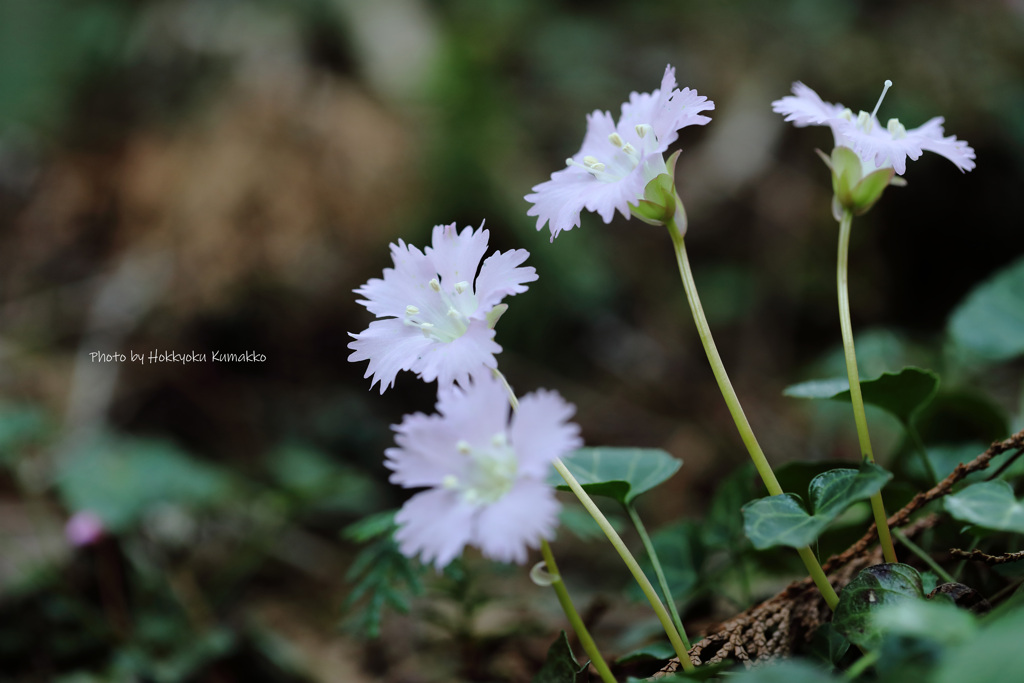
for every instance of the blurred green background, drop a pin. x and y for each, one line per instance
(201, 175)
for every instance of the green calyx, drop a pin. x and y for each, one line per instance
(660, 204)
(852, 190)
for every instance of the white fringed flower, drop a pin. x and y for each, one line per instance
(617, 160)
(436, 313)
(484, 472)
(877, 146)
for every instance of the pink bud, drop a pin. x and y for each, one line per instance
(84, 528)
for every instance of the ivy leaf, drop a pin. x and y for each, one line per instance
(990, 505)
(782, 520)
(874, 588)
(618, 473)
(990, 321)
(561, 665)
(902, 393)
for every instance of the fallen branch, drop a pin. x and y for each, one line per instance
(776, 626)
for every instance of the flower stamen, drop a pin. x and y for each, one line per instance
(896, 129)
(885, 89)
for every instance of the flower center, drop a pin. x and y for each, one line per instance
(491, 475)
(622, 158)
(446, 318)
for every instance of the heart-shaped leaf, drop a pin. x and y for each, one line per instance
(560, 666)
(990, 321)
(782, 520)
(990, 505)
(902, 393)
(874, 588)
(618, 473)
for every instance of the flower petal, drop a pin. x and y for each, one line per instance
(456, 255)
(501, 276)
(435, 525)
(806, 108)
(507, 528)
(541, 431)
(477, 412)
(390, 346)
(930, 137)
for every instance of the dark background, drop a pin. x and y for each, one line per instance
(219, 175)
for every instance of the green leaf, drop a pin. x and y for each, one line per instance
(380, 573)
(681, 553)
(989, 504)
(990, 322)
(579, 522)
(316, 481)
(902, 393)
(941, 622)
(561, 665)
(785, 671)
(701, 673)
(121, 479)
(618, 473)
(371, 526)
(875, 587)
(828, 645)
(21, 425)
(661, 650)
(944, 459)
(723, 525)
(782, 520)
(992, 655)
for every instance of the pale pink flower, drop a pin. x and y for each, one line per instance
(84, 528)
(617, 160)
(436, 312)
(877, 146)
(484, 472)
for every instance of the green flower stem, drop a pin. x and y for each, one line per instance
(589, 646)
(736, 410)
(859, 416)
(631, 564)
(588, 503)
(915, 437)
(659, 573)
(817, 575)
(925, 557)
(868, 660)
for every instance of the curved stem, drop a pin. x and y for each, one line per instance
(589, 646)
(634, 568)
(659, 573)
(631, 564)
(736, 410)
(718, 368)
(856, 398)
